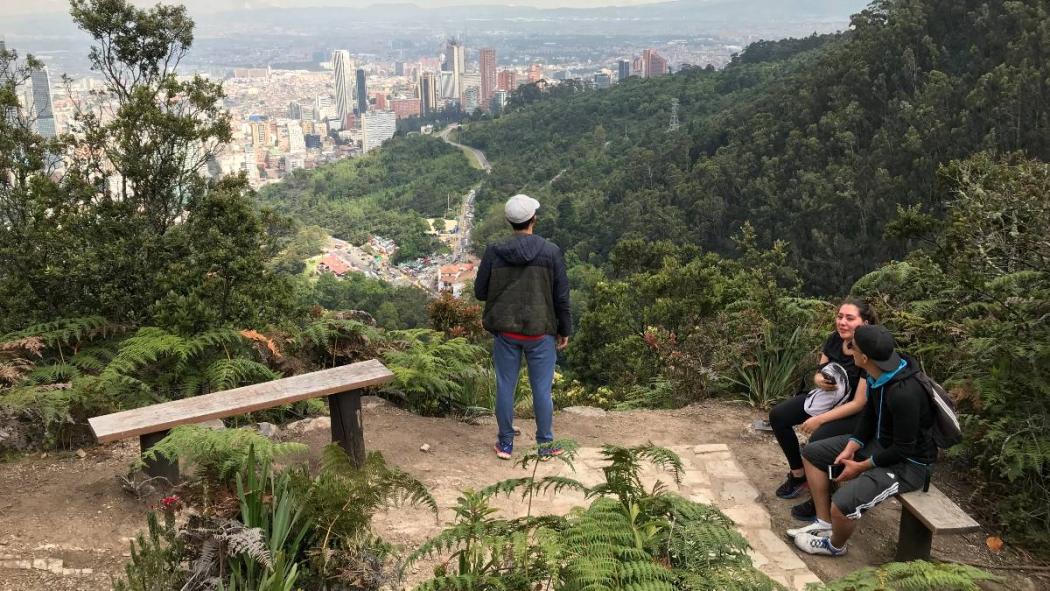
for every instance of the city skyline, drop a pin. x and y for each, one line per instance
(18, 8)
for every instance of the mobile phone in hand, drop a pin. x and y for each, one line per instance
(834, 470)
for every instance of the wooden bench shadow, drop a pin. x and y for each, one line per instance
(341, 385)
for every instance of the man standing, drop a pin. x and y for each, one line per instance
(526, 293)
(890, 451)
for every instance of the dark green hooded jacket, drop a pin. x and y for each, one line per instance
(523, 283)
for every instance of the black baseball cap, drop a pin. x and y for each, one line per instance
(877, 343)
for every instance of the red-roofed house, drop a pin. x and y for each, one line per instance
(334, 265)
(454, 277)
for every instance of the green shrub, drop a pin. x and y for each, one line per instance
(218, 455)
(918, 575)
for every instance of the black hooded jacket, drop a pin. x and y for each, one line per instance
(523, 283)
(899, 416)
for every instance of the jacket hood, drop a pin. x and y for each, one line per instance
(908, 371)
(520, 250)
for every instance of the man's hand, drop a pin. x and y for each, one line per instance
(811, 425)
(847, 453)
(562, 343)
(852, 469)
(822, 383)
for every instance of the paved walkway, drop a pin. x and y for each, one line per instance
(711, 476)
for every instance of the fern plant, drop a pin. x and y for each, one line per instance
(431, 371)
(156, 558)
(606, 555)
(340, 502)
(217, 455)
(918, 575)
(630, 537)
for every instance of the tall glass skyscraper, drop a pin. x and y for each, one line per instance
(42, 108)
(362, 92)
(344, 84)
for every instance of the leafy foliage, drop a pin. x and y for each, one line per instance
(974, 306)
(815, 142)
(341, 500)
(628, 538)
(431, 371)
(918, 575)
(387, 193)
(156, 558)
(218, 455)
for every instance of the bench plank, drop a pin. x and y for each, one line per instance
(159, 417)
(937, 512)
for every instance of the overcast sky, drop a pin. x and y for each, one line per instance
(29, 7)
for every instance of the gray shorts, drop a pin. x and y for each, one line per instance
(874, 486)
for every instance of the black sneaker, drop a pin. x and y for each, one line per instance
(806, 511)
(792, 487)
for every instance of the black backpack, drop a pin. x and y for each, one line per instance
(946, 430)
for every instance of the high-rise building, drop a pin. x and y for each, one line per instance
(427, 93)
(324, 108)
(344, 84)
(295, 110)
(602, 80)
(362, 92)
(455, 62)
(535, 73)
(653, 64)
(296, 138)
(399, 68)
(507, 80)
(404, 108)
(471, 98)
(447, 85)
(376, 128)
(42, 110)
(499, 100)
(487, 68)
(624, 69)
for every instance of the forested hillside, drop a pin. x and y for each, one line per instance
(818, 147)
(387, 193)
(903, 161)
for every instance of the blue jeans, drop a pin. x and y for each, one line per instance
(540, 356)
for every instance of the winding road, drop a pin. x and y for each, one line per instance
(478, 154)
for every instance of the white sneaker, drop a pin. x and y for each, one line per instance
(812, 544)
(816, 528)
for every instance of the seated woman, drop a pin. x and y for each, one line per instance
(838, 420)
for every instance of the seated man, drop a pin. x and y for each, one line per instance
(889, 452)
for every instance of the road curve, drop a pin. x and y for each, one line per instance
(478, 154)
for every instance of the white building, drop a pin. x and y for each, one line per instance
(376, 128)
(344, 83)
(447, 85)
(471, 99)
(296, 138)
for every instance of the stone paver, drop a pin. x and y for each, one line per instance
(712, 476)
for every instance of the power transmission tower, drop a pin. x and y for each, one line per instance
(674, 125)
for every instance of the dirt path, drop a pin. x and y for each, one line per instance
(69, 513)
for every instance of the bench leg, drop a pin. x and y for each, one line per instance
(161, 467)
(915, 540)
(347, 429)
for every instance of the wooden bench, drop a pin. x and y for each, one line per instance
(924, 514)
(342, 385)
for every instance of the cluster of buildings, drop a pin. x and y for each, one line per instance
(287, 120)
